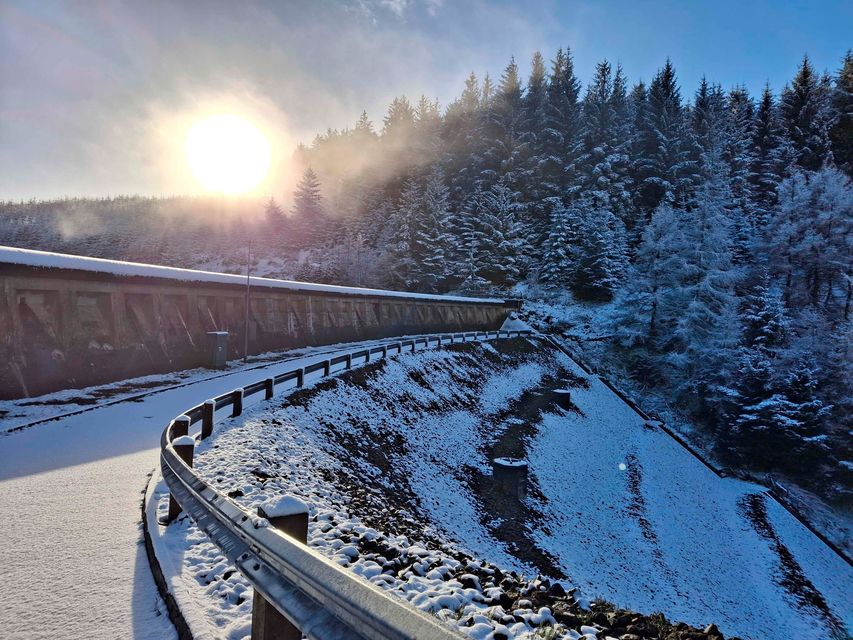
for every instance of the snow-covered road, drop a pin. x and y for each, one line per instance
(70, 493)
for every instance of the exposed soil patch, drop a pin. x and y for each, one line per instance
(792, 578)
(510, 518)
(637, 509)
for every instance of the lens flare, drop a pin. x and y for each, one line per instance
(227, 154)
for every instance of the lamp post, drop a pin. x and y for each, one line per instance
(248, 287)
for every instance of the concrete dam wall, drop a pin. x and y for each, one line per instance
(70, 321)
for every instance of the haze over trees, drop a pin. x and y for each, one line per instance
(712, 227)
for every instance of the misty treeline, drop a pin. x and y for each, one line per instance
(712, 232)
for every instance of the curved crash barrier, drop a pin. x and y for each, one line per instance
(297, 591)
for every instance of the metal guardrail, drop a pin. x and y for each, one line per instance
(321, 599)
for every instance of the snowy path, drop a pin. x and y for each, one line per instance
(70, 493)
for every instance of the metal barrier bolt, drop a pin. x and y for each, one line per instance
(290, 516)
(236, 402)
(184, 446)
(207, 411)
(269, 388)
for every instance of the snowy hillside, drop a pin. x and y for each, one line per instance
(397, 472)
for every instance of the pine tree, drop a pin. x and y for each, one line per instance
(737, 150)
(276, 223)
(651, 301)
(808, 240)
(398, 135)
(702, 334)
(708, 115)
(771, 154)
(757, 427)
(563, 244)
(664, 169)
(532, 126)
(429, 240)
(460, 142)
(426, 129)
(499, 236)
(502, 157)
(466, 227)
(805, 415)
(756, 434)
(807, 117)
(604, 162)
(841, 134)
(601, 255)
(400, 119)
(561, 134)
(309, 217)
(402, 267)
(765, 325)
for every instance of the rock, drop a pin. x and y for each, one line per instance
(506, 599)
(557, 591)
(469, 581)
(600, 618)
(712, 630)
(564, 614)
(641, 629)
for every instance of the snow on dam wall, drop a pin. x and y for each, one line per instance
(69, 321)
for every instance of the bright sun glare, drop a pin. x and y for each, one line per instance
(227, 154)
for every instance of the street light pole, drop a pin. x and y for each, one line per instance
(248, 287)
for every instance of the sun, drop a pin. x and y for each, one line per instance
(227, 154)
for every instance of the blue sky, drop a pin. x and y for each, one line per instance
(96, 96)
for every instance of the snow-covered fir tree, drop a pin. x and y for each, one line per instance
(310, 224)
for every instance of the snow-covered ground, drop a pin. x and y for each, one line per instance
(70, 492)
(582, 327)
(401, 456)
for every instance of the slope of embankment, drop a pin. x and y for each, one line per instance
(394, 459)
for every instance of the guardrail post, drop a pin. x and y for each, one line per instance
(348, 361)
(180, 426)
(510, 476)
(327, 367)
(414, 345)
(367, 355)
(399, 347)
(269, 388)
(236, 402)
(267, 622)
(184, 446)
(384, 351)
(207, 411)
(300, 377)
